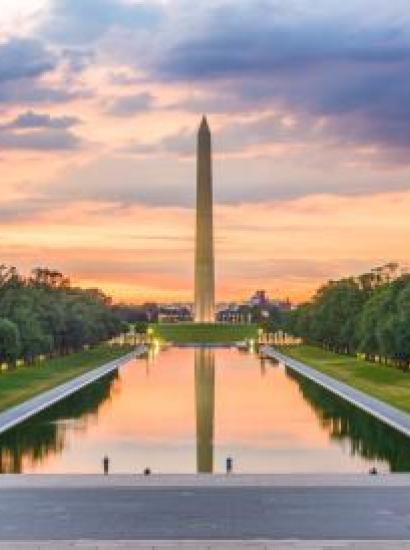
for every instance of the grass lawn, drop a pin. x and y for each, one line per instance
(18, 385)
(193, 333)
(386, 383)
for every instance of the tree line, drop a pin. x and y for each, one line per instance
(368, 314)
(42, 314)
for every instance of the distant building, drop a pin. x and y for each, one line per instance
(174, 314)
(234, 313)
(259, 308)
(282, 305)
(259, 299)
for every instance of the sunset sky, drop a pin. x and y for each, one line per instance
(309, 103)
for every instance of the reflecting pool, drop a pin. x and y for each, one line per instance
(185, 410)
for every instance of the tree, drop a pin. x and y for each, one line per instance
(9, 341)
(368, 327)
(331, 319)
(140, 327)
(51, 316)
(368, 314)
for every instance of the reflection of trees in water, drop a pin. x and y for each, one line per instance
(369, 438)
(46, 433)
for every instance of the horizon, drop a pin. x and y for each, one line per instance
(308, 107)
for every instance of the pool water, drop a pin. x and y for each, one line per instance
(186, 410)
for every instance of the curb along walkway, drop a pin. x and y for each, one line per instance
(200, 481)
(207, 545)
(389, 415)
(15, 415)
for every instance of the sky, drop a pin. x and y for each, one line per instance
(309, 105)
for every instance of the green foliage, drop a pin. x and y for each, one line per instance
(203, 332)
(50, 316)
(9, 341)
(140, 327)
(369, 314)
(273, 322)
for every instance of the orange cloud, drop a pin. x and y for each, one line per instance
(288, 247)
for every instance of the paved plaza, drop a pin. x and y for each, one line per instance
(205, 545)
(360, 509)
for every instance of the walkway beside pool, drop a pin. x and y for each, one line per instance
(391, 416)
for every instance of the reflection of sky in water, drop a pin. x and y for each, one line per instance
(186, 410)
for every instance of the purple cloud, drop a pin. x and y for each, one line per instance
(31, 120)
(24, 58)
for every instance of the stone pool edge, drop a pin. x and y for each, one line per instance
(18, 414)
(164, 481)
(389, 415)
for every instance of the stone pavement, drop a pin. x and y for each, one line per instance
(391, 416)
(163, 481)
(206, 545)
(248, 513)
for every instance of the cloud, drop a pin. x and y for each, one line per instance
(125, 106)
(30, 119)
(293, 269)
(230, 39)
(162, 183)
(167, 181)
(221, 102)
(86, 21)
(342, 78)
(14, 211)
(259, 46)
(347, 62)
(268, 129)
(331, 63)
(24, 58)
(77, 60)
(43, 139)
(124, 78)
(39, 132)
(23, 65)
(28, 92)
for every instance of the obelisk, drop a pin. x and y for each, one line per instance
(204, 250)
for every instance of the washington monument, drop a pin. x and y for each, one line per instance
(204, 249)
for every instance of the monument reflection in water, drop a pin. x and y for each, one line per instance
(185, 410)
(205, 408)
